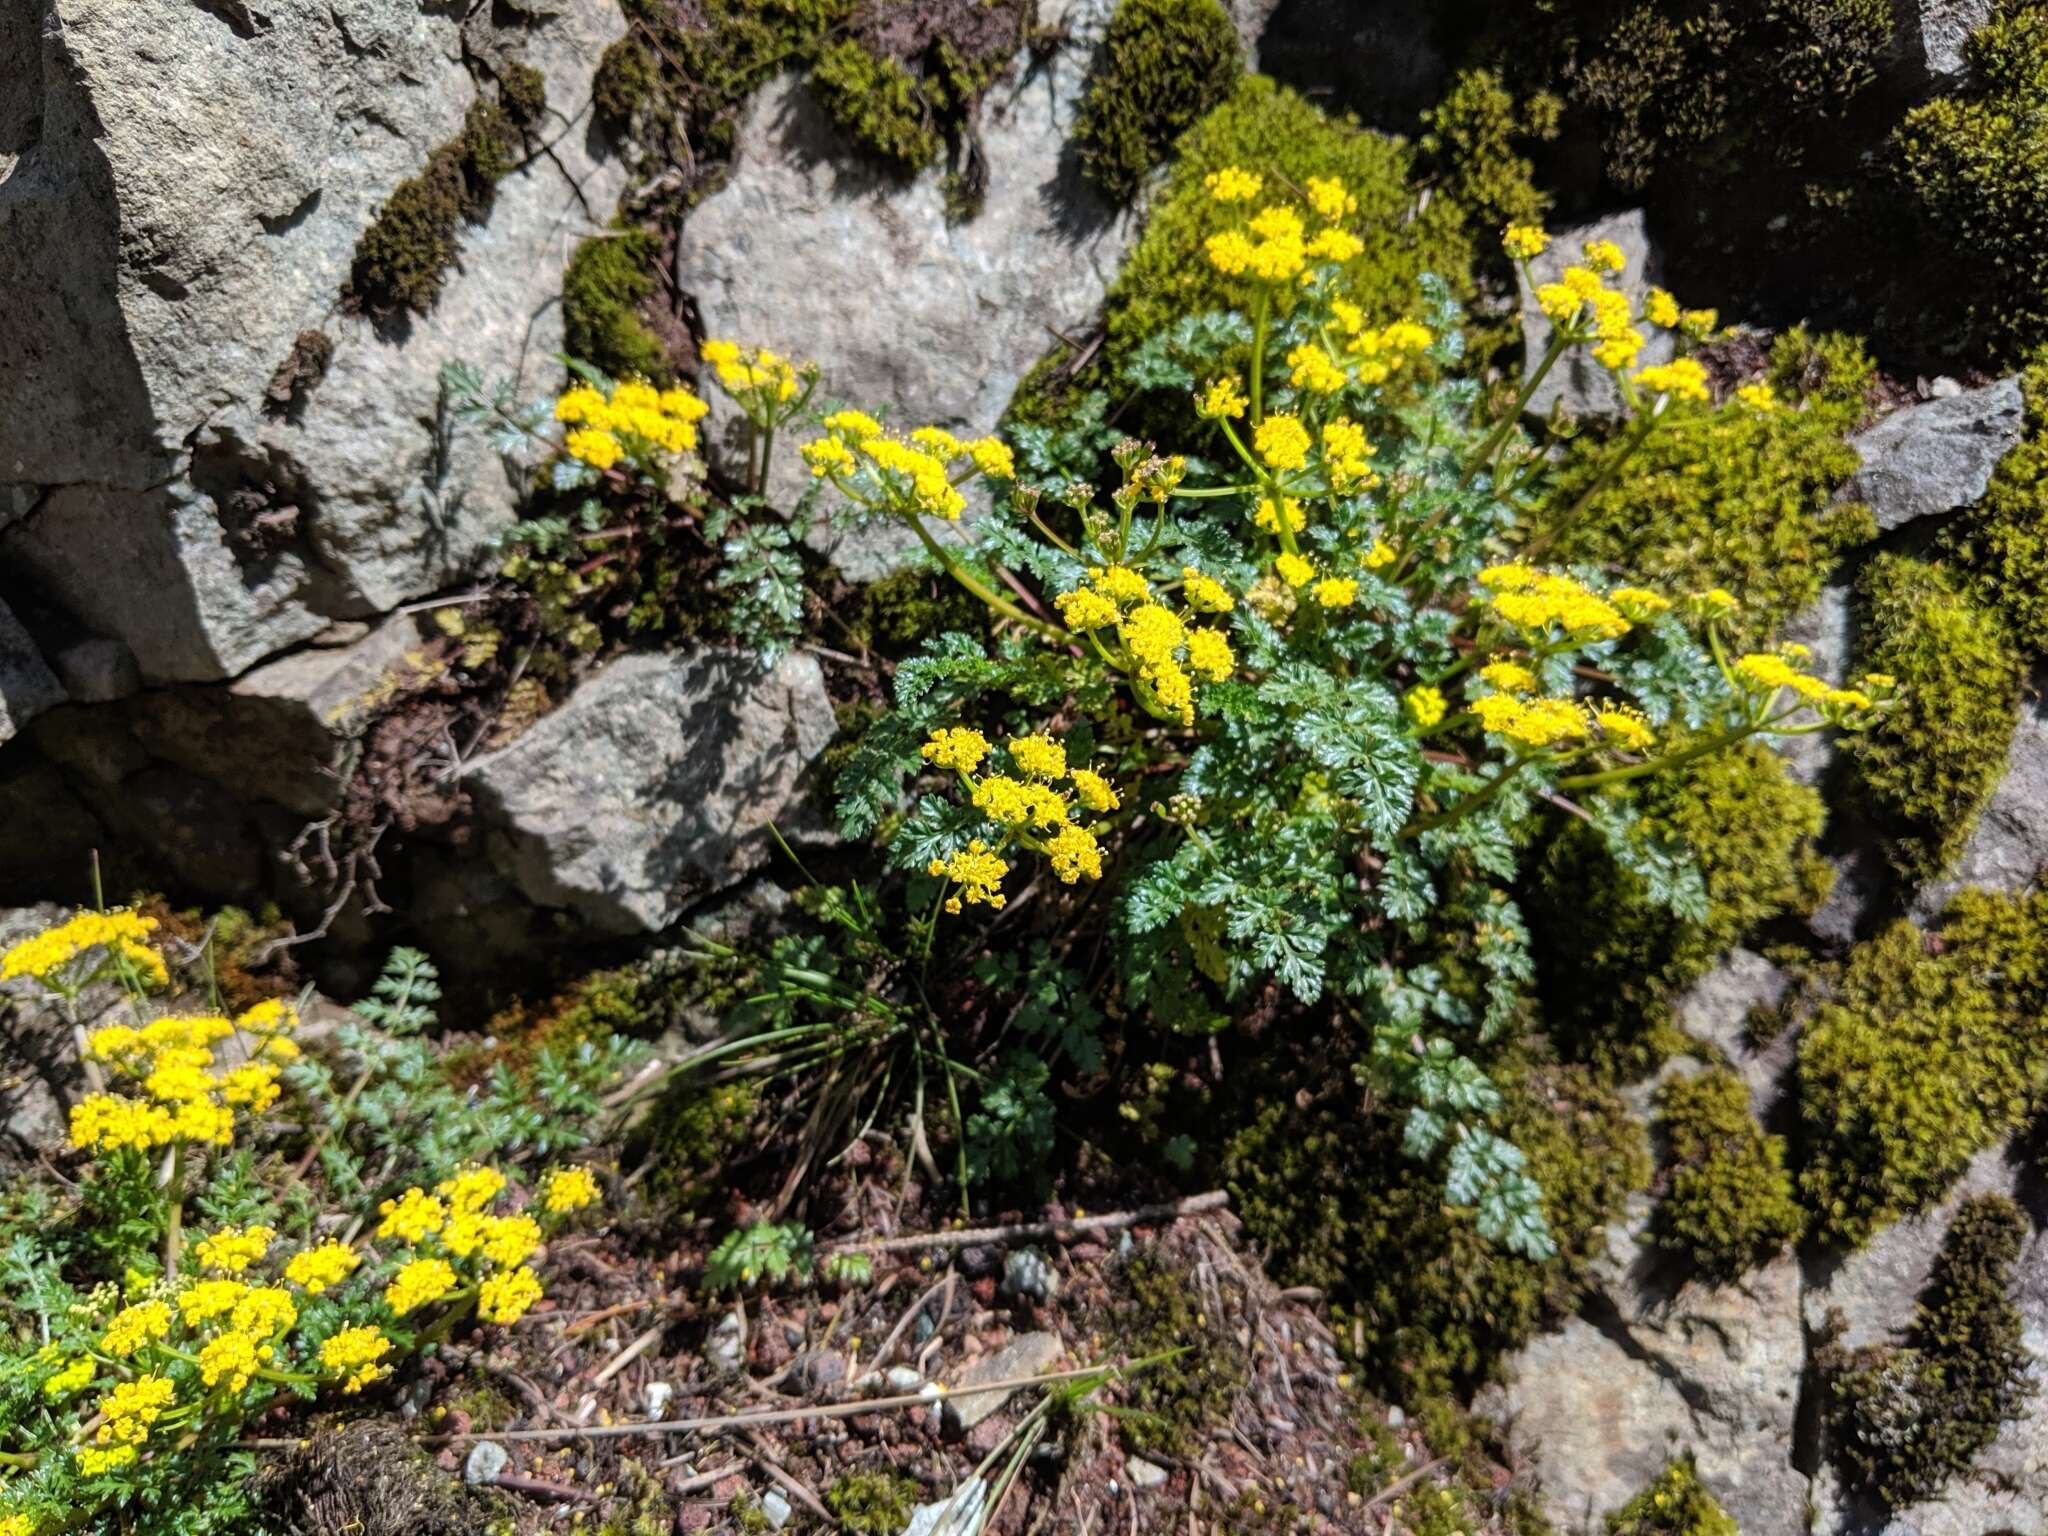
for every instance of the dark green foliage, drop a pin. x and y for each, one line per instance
(2003, 540)
(1975, 165)
(1926, 1054)
(872, 1503)
(696, 1131)
(607, 280)
(1329, 1191)
(1472, 136)
(1674, 1504)
(1907, 1419)
(896, 613)
(523, 92)
(1730, 1205)
(878, 102)
(1930, 764)
(627, 77)
(1730, 496)
(1163, 64)
(1610, 959)
(401, 258)
(1174, 1404)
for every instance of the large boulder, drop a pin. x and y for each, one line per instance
(902, 305)
(1937, 456)
(181, 190)
(27, 685)
(1577, 383)
(654, 786)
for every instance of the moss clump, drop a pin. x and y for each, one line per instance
(1472, 136)
(1975, 167)
(1927, 1053)
(696, 1130)
(523, 92)
(878, 102)
(1730, 1205)
(872, 1503)
(1906, 1419)
(1609, 959)
(1930, 764)
(626, 81)
(1730, 496)
(907, 607)
(401, 259)
(1674, 1504)
(1329, 1191)
(1172, 1406)
(1163, 65)
(606, 282)
(2003, 540)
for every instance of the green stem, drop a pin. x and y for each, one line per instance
(1260, 316)
(1559, 341)
(1469, 804)
(1726, 738)
(174, 1219)
(1001, 605)
(1556, 526)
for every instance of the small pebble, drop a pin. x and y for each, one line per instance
(901, 1378)
(1029, 1276)
(775, 1508)
(655, 1398)
(1144, 1474)
(487, 1459)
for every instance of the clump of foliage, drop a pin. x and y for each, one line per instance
(1172, 1405)
(1905, 1419)
(523, 92)
(404, 254)
(1163, 64)
(1611, 954)
(878, 101)
(606, 282)
(1435, 1302)
(1674, 1504)
(1730, 1204)
(1926, 1054)
(897, 613)
(872, 1503)
(2003, 540)
(1473, 134)
(1975, 167)
(1731, 496)
(1931, 764)
(695, 1131)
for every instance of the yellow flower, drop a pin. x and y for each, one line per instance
(1205, 594)
(505, 1298)
(412, 1216)
(102, 1122)
(939, 441)
(1337, 591)
(1699, 323)
(957, 747)
(1604, 256)
(1623, 726)
(1152, 633)
(232, 1250)
(1758, 397)
(1661, 309)
(1426, 706)
(73, 1377)
(510, 1240)
(1039, 756)
(1229, 252)
(1222, 398)
(1075, 853)
(1524, 242)
(95, 1462)
(204, 1300)
(1084, 610)
(418, 1283)
(1174, 689)
(1336, 245)
(132, 1327)
(1014, 803)
(266, 1312)
(252, 1086)
(859, 423)
(1313, 370)
(993, 458)
(1210, 656)
(1768, 671)
(1880, 682)
(120, 932)
(828, 456)
(472, 1188)
(1534, 600)
(231, 1359)
(594, 447)
(1294, 570)
(978, 872)
(568, 1189)
(1329, 198)
(1639, 602)
(1093, 790)
(17, 1525)
(1283, 442)
(1233, 185)
(314, 1270)
(1683, 377)
(132, 1407)
(1509, 677)
(1267, 520)
(353, 1353)
(1379, 557)
(1120, 584)
(1532, 722)
(1347, 455)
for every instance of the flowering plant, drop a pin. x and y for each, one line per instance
(1300, 688)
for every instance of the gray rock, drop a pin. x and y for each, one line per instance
(1028, 1354)
(1717, 1008)
(1144, 1474)
(47, 835)
(39, 1071)
(654, 785)
(775, 1509)
(486, 1460)
(1029, 1275)
(1937, 456)
(725, 1348)
(2009, 849)
(820, 257)
(1576, 382)
(95, 670)
(957, 1514)
(1930, 37)
(27, 685)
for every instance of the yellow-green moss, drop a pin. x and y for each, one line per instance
(2003, 540)
(1906, 1419)
(523, 92)
(1163, 64)
(695, 1130)
(879, 104)
(1609, 959)
(1472, 139)
(607, 280)
(1172, 1406)
(1674, 1504)
(1929, 765)
(872, 1503)
(1729, 1206)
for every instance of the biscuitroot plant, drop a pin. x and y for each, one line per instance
(1296, 688)
(133, 1357)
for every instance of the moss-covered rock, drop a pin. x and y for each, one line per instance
(879, 103)
(1473, 138)
(2003, 540)
(1163, 64)
(1930, 1050)
(1930, 764)
(607, 281)
(1674, 1504)
(1732, 497)
(1609, 959)
(1729, 1206)
(523, 92)
(1329, 1191)
(1906, 1419)
(1172, 1406)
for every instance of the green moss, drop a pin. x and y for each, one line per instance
(1929, 1052)
(1173, 1406)
(907, 607)
(1975, 167)
(1163, 64)
(626, 81)
(402, 257)
(1327, 1189)
(1730, 1205)
(879, 104)
(1730, 496)
(1930, 764)
(872, 1503)
(1609, 959)
(523, 92)
(1674, 1504)
(696, 1130)
(2003, 540)
(1907, 1419)
(1472, 137)
(607, 280)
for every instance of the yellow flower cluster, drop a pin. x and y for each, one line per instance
(1426, 706)
(635, 420)
(568, 1189)
(1223, 397)
(1283, 442)
(1314, 370)
(187, 1097)
(353, 1355)
(49, 956)
(455, 1224)
(1545, 722)
(979, 874)
(1764, 673)
(126, 1416)
(233, 1249)
(1347, 456)
(1682, 376)
(1233, 185)
(1534, 600)
(1524, 242)
(1161, 648)
(1274, 245)
(959, 748)
(1029, 807)
(906, 477)
(320, 1268)
(752, 374)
